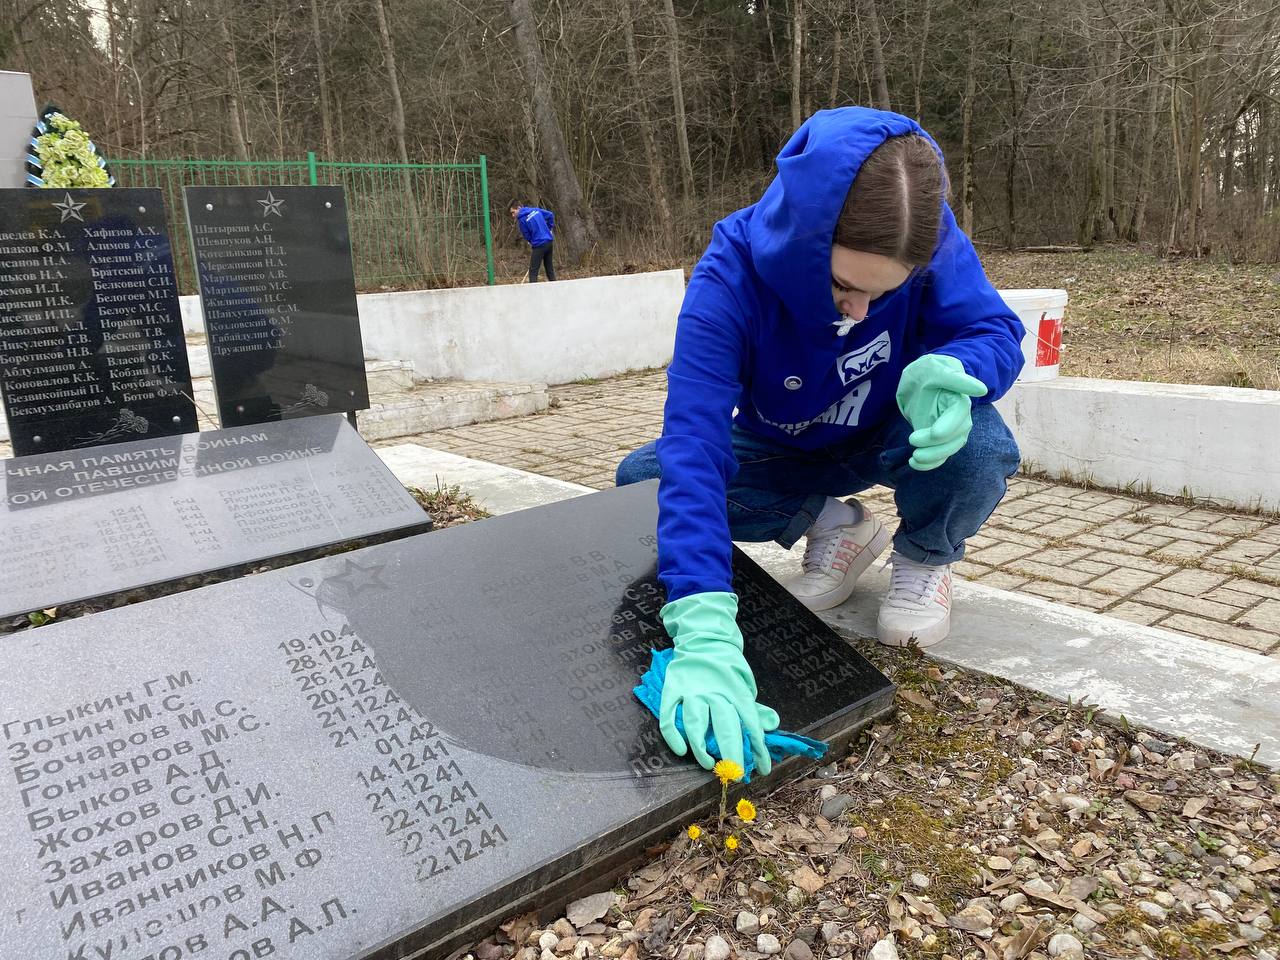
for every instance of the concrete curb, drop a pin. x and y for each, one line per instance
(1211, 694)
(1171, 438)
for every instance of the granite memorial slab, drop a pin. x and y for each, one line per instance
(372, 754)
(95, 522)
(91, 343)
(278, 292)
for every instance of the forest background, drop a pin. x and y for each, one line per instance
(643, 121)
(1147, 130)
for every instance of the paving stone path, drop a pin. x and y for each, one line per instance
(1207, 572)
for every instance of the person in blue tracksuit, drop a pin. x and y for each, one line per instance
(837, 334)
(536, 226)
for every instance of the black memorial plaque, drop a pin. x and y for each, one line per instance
(371, 754)
(74, 526)
(279, 300)
(91, 343)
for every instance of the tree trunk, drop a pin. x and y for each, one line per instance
(1142, 193)
(837, 50)
(1195, 166)
(532, 175)
(1265, 156)
(232, 100)
(1175, 119)
(1110, 220)
(579, 228)
(877, 57)
(113, 49)
(677, 93)
(326, 121)
(1274, 152)
(966, 127)
(393, 81)
(421, 251)
(653, 159)
(768, 29)
(797, 60)
(1091, 219)
(917, 67)
(1229, 165)
(1011, 161)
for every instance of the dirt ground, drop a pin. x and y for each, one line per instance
(1132, 316)
(982, 822)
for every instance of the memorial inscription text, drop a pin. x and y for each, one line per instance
(91, 343)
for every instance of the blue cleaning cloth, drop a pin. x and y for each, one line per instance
(780, 743)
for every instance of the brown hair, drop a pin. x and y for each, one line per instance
(894, 207)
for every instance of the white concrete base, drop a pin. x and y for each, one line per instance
(1210, 694)
(1212, 443)
(450, 403)
(545, 332)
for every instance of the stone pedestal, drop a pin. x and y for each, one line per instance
(17, 118)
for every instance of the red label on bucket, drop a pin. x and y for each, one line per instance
(1049, 341)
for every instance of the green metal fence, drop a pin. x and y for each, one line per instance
(412, 224)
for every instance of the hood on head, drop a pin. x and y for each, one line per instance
(793, 224)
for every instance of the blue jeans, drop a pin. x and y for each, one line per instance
(779, 491)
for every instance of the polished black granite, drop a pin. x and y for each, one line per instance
(279, 300)
(375, 753)
(95, 522)
(91, 344)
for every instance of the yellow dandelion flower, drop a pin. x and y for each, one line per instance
(731, 842)
(746, 810)
(728, 771)
(694, 831)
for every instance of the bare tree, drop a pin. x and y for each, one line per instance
(393, 80)
(579, 226)
(677, 93)
(653, 159)
(877, 56)
(1154, 122)
(321, 81)
(797, 60)
(966, 135)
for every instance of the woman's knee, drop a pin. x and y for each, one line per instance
(991, 445)
(638, 465)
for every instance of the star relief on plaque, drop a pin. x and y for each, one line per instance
(272, 205)
(69, 208)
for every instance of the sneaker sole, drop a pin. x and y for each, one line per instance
(927, 637)
(833, 598)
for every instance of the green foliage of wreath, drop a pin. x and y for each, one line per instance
(67, 156)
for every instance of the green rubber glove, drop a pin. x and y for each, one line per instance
(709, 677)
(934, 395)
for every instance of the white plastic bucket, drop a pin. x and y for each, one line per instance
(1041, 313)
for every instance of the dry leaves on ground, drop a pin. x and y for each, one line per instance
(1133, 316)
(982, 823)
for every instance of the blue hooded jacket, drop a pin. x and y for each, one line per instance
(536, 225)
(758, 312)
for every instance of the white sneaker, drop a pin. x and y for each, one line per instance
(834, 559)
(917, 609)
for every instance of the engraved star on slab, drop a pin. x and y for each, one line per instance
(355, 579)
(272, 205)
(69, 208)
